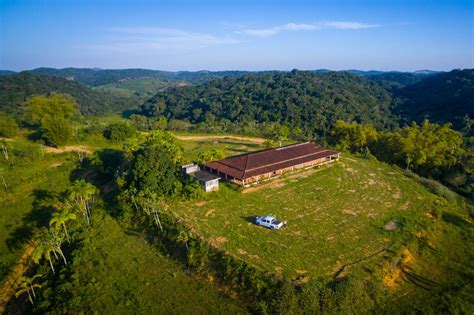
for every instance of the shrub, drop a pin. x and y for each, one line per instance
(119, 132)
(8, 126)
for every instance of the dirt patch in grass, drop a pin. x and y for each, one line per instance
(14, 278)
(55, 165)
(211, 137)
(69, 148)
(217, 241)
(200, 203)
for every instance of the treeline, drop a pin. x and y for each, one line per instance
(431, 150)
(16, 89)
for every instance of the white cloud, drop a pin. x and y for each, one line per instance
(341, 25)
(149, 39)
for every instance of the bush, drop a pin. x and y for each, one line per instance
(119, 132)
(8, 126)
(56, 131)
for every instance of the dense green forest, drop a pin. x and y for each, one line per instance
(400, 78)
(299, 99)
(96, 77)
(15, 89)
(447, 97)
(313, 101)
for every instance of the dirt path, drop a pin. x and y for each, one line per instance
(68, 148)
(210, 137)
(12, 280)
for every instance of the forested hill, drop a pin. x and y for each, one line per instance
(313, 101)
(446, 97)
(400, 79)
(16, 88)
(96, 77)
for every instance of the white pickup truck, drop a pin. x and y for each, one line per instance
(269, 221)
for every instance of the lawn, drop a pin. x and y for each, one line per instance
(335, 217)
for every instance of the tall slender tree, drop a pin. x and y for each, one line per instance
(82, 194)
(62, 217)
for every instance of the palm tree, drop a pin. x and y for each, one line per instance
(61, 217)
(50, 243)
(183, 237)
(150, 203)
(56, 241)
(26, 286)
(44, 249)
(83, 193)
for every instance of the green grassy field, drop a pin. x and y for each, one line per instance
(141, 87)
(20, 204)
(335, 217)
(113, 270)
(118, 272)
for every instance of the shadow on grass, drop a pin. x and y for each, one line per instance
(249, 218)
(455, 220)
(101, 170)
(38, 217)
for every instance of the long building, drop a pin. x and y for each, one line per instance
(253, 167)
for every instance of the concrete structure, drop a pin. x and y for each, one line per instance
(207, 180)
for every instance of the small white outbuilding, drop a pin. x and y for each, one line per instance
(207, 180)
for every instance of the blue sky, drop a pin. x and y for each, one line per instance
(247, 35)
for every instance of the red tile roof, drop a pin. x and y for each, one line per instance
(257, 163)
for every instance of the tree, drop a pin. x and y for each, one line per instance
(56, 131)
(210, 155)
(52, 115)
(281, 133)
(49, 243)
(119, 132)
(354, 137)
(61, 217)
(8, 126)
(426, 148)
(28, 286)
(82, 194)
(183, 237)
(153, 170)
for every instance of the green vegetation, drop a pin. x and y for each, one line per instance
(429, 149)
(99, 77)
(15, 89)
(312, 102)
(119, 132)
(31, 180)
(140, 88)
(340, 222)
(447, 97)
(81, 220)
(8, 126)
(52, 116)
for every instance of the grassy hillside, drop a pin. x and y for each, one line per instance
(141, 88)
(117, 271)
(30, 181)
(15, 89)
(105, 251)
(335, 217)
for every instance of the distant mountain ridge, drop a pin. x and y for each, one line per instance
(16, 88)
(97, 76)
